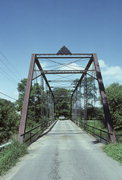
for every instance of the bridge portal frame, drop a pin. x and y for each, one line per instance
(92, 58)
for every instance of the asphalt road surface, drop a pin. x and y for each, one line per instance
(66, 153)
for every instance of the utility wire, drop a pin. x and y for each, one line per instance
(9, 71)
(10, 67)
(8, 96)
(8, 75)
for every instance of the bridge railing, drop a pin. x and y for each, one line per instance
(28, 135)
(36, 132)
(101, 135)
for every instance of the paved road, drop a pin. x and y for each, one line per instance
(66, 153)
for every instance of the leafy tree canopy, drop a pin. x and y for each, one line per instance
(114, 94)
(9, 119)
(62, 102)
(38, 109)
(91, 89)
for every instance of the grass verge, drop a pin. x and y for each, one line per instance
(10, 155)
(114, 151)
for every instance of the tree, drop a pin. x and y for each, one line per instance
(9, 120)
(88, 94)
(21, 90)
(37, 108)
(62, 102)
(114, 94)
(91, 89)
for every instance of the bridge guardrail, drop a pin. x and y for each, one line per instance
(31, 137)
(100, 135)
(30, 134)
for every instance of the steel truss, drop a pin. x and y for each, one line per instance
(64, 54)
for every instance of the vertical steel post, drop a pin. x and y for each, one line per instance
(42, 93)
(71, 108)
(104, 100)
(54, 108)
(24, 113)
(85, 99)
(76, 110)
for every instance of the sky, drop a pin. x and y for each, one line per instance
(44, 26)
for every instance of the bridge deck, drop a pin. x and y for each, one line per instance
(66, 153)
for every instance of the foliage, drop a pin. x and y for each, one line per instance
(95, 113)
(91, 89)
(114, 94)
(10, 155)
(96, 124)
(38, 110)
(62, 102)
(21, 90)
(114, 151)
(9, 119)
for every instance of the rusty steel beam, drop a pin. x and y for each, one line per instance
(63, 90)
(63, 57)
(55, 54)
(36, 77)
(24, 112)
(63, 71)
(104, 99)
(55, 81)
(43, 74)
(61, 86)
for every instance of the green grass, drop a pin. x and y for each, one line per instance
(10, 155)
(114, 151)
(97, 124)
